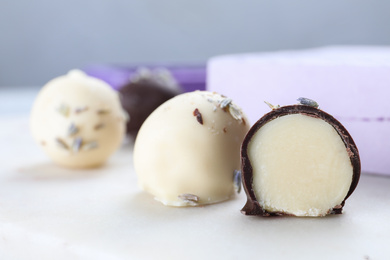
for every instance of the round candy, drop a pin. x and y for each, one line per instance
(147, 90)
(78, 120)
(298, 160)
(187, 152)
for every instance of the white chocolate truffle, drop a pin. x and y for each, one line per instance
(188, 150)
(78, 120)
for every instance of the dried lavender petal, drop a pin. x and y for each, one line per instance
(90, 146)
(61, 143)
(307, 102)
(99, 126)
(79, 110)
(272, 106)
(237, 180)
(63, 109)
(225, 102)
(198, 116)
(189, 197)
(77, 142)
(73, 129)
(103, 111)
(235, 112)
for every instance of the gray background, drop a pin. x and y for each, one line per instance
(42, 39)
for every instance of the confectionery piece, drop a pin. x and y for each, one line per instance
(298, 160)
(144, 93)
(352, 82)
(78, 120)
(187, 152)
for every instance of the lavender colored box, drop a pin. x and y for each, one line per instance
(190, 78)
(352, 83)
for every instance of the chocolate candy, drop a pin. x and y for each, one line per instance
(78, 120)
(298, 160)
(144, 93)
(187, 152)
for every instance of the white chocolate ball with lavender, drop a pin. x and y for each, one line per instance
(187, 152)
(78, 120)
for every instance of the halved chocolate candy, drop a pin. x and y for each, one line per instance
(298, 160)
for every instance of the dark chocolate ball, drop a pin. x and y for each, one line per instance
(139, 99)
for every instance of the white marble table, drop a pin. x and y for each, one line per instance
(47, 212)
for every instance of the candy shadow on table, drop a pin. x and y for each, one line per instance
(51, 171)
(143, 203)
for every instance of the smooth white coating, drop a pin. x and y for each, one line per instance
(77, 120)
(300, 166)
(175, 154)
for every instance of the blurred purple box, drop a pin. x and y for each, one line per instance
(189, 78)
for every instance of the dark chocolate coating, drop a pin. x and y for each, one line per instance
(252, 207)
(139, 99)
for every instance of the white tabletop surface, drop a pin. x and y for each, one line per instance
(47, 212)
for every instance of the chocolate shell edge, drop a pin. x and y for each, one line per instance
(252, 206)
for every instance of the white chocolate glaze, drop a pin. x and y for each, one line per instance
(77, 120)
(187, 150)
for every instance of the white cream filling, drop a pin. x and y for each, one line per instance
(300, 166)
